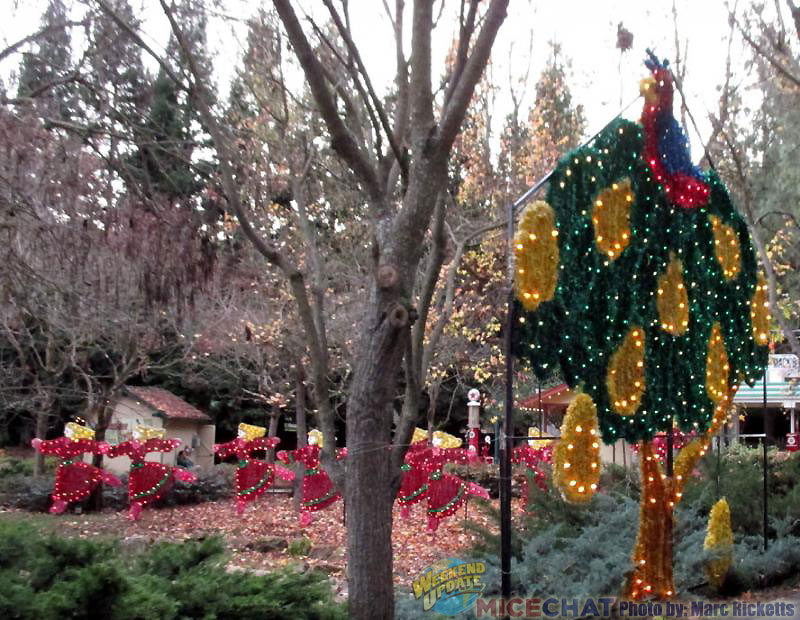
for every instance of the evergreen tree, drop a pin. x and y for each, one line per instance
(45, 73)
(165, 161)
(117, 86)
(554, 125)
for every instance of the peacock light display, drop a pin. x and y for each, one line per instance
(637, 279)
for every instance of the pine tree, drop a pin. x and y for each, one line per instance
(117, 86)
(530, 147)
(555, 125)
(165, 160)
(45, 74)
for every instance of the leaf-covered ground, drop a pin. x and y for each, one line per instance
(271, 522)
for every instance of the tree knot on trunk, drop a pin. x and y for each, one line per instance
(398, 316)
(386, 276)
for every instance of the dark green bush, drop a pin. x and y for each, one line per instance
(213, 484)
(26, 492)
(48, 577)
(10, 466)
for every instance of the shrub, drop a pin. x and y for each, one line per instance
(44, 577)
(213, 484)
(563, 550)
(26, 492)
(10, 466)
(299, 547)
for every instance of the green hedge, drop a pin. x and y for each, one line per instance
(49, 577)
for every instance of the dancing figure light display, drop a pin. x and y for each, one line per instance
(75, 480)
(253, 476)
(318, 491)
(424, 478)
(148, 480)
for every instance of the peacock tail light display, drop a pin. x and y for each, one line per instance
(636, 278)
(654, 270)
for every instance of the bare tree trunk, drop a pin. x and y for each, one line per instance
(272, 432)
(301, 430)
(369, 485)
(434, 396)
(103, 409)
(42, 423)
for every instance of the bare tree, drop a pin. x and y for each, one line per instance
(401, 167)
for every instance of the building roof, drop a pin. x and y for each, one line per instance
(556, 395)
(778, 392)
(167, 404)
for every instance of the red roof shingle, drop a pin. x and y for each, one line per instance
(173, 407)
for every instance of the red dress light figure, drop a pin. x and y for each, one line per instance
(148, 480)
(75, 480)
(447, 492)
(253, 476)
(414, 486)
(532, 456)
(318, 490)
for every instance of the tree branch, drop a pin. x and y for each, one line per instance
(422, 99)
(36, 35)
(376, 102)
(429, 281)
(466, 30)
(290, 270)
(453, 114)
(342, 141)
(795, 15)
(766, 55)
(140, 42)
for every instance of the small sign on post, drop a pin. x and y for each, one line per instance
(473, 420)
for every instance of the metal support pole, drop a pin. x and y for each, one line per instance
(508, 431)
(506, 438)
(764, 413)
(765, 494)
(670, 448)
(719, 456)
(541, 409)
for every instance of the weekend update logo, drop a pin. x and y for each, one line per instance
(450, 586)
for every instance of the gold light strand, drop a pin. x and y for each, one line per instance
(536, 255)
(78, 431)
(576, 459)
(719, 538)
(440, 438)
(672, 300)
(717, 366)
(625, 379)
(144, 433)
(726, 247)
(759, 312)
(611, 215)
